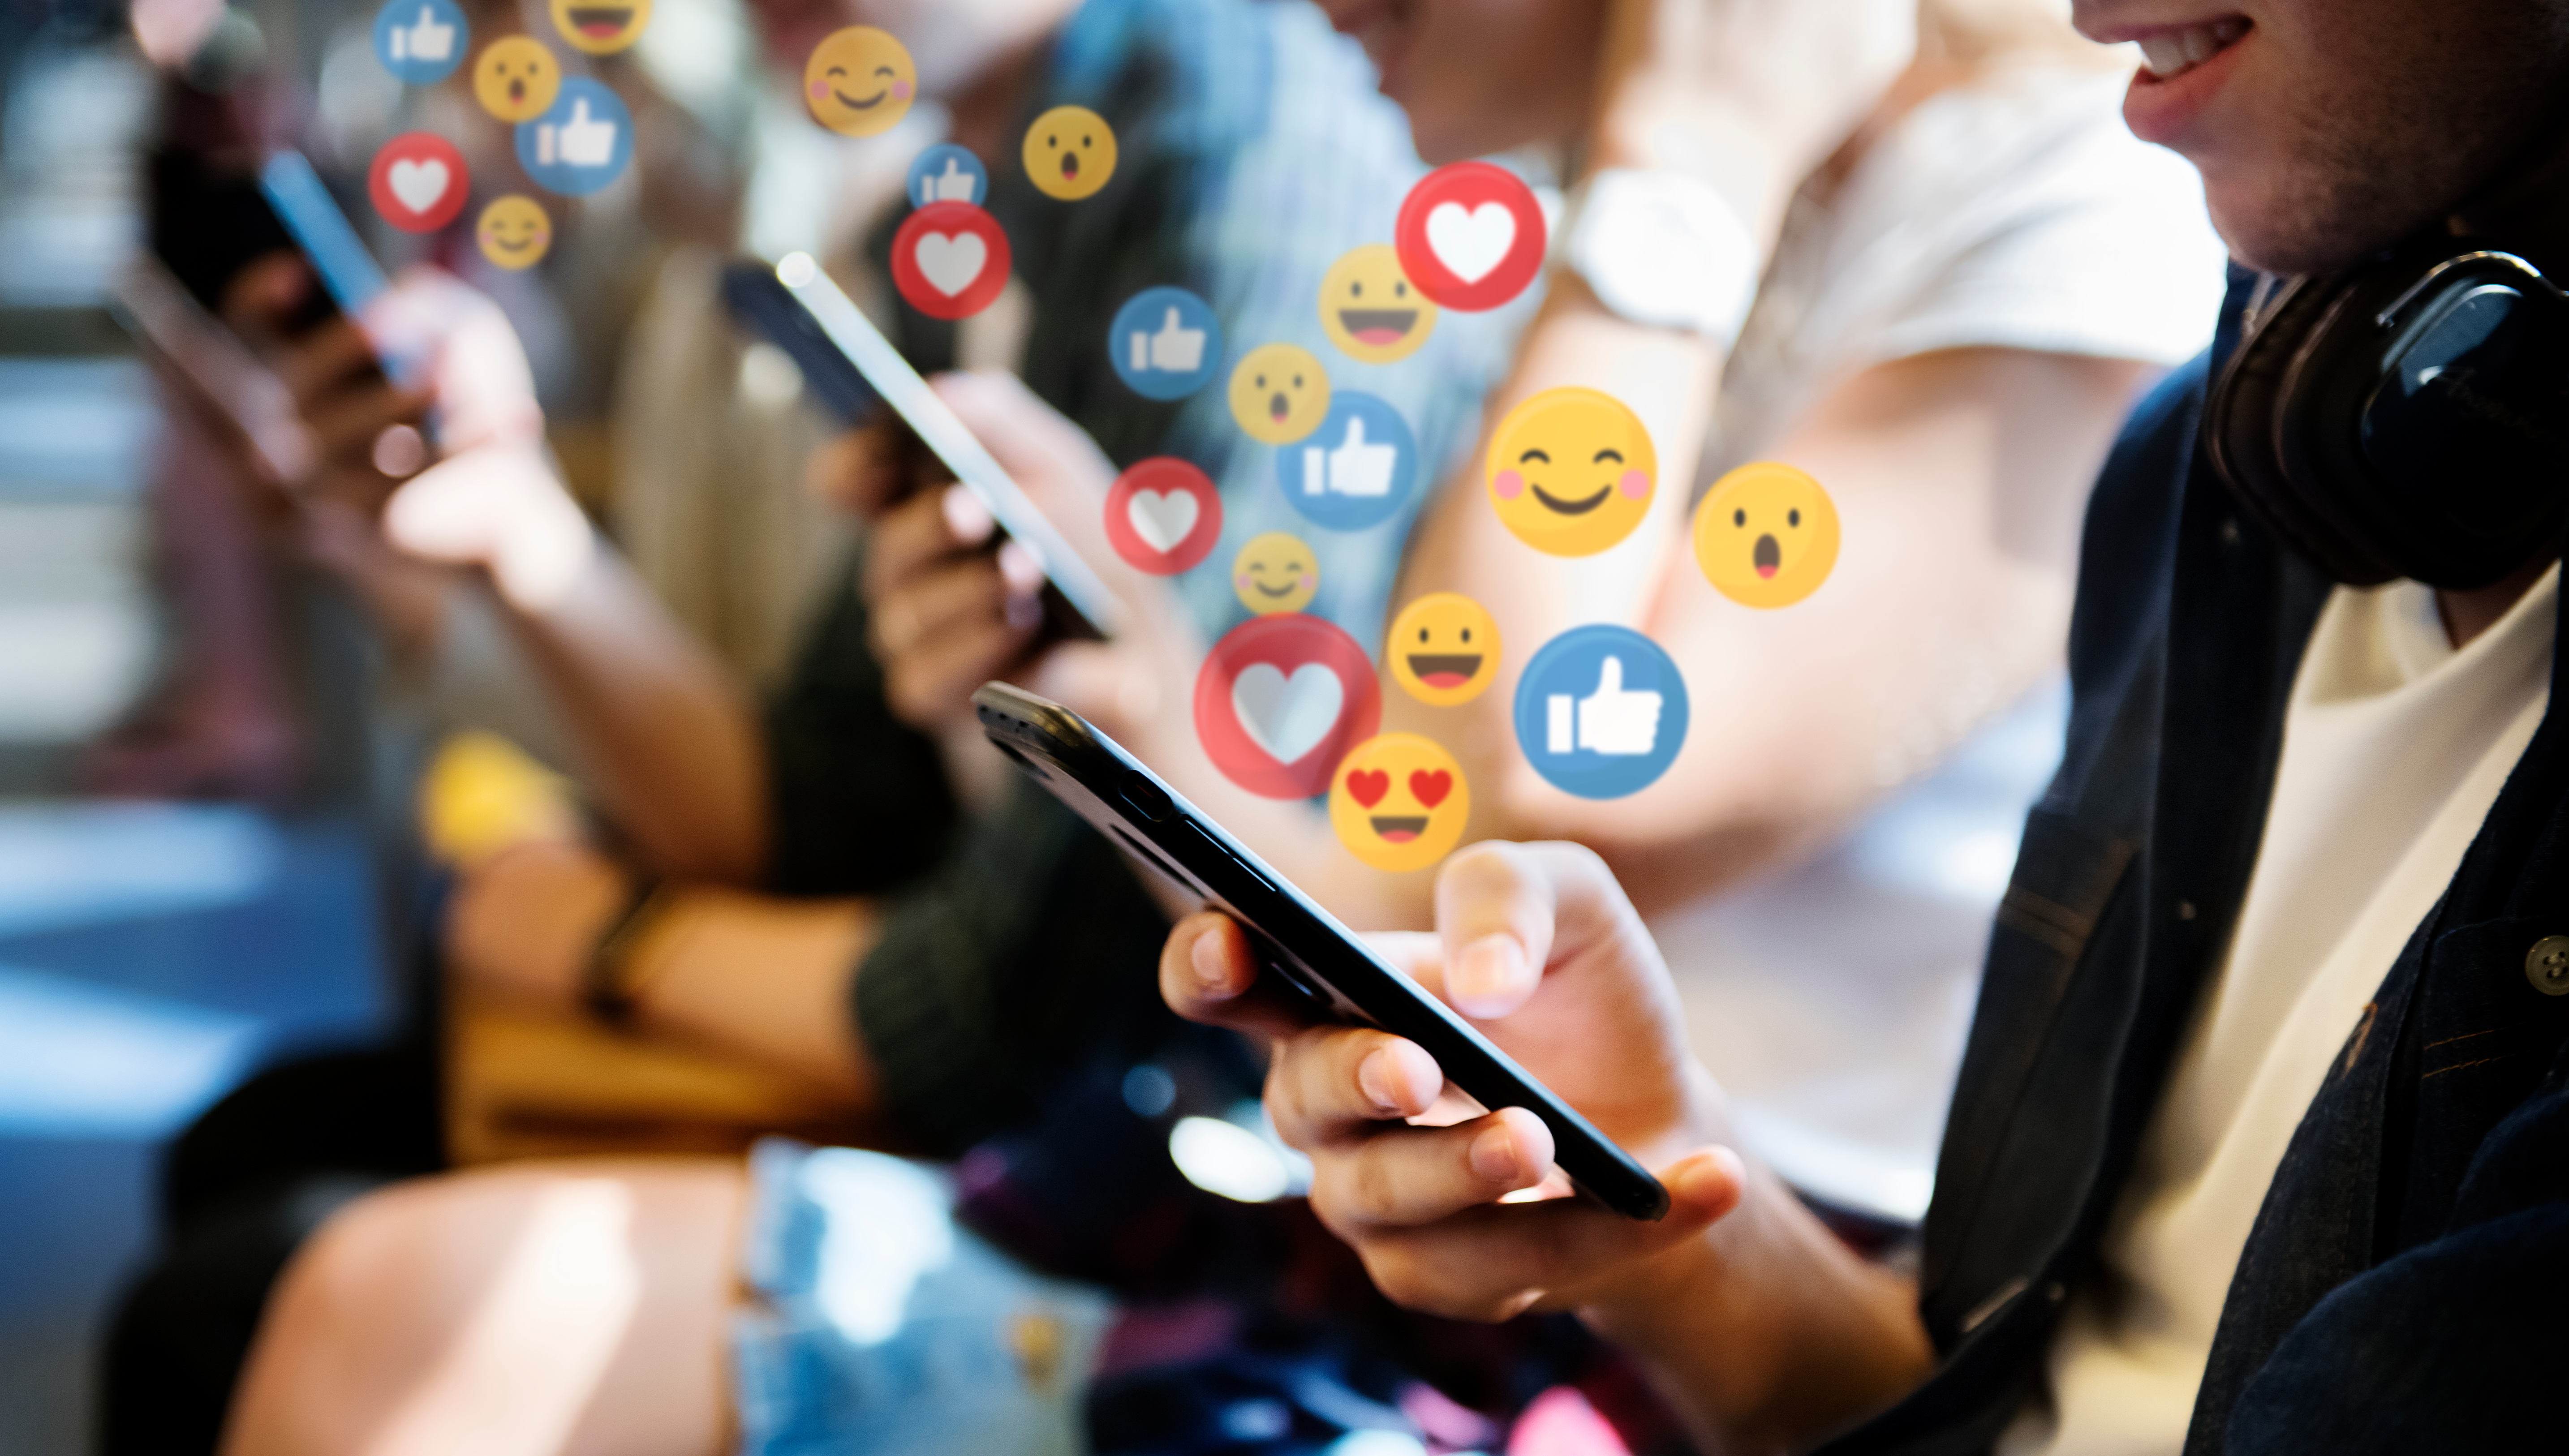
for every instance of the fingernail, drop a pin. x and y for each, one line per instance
(1489, 976)
(1213, 978)
(1494, 1156)
(1019, 568)
(1379, 1077)
(1714, 1175)
(965, 516)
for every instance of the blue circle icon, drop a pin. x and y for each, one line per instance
(1165, 343)
(946, 173)
(421, 40)
(582, 144)
(1353, 471)
(1600, 712)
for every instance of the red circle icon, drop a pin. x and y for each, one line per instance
(1163, 515)
(1470, 235)
(419, 182)
(949, 259)
(1280, 700)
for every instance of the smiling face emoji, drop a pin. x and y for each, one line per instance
(1766, 534)
(1279, 393)
(1370, 309)
(1443, 648)
(1070, 153)
(860, 81)
(1571, 471)
(515, 79)
(514, 231)
(602, 27)
(1399, 802)
(1275, 572)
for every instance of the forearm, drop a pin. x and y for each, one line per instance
(1767, 1333)
(763, 977)
(670, 745)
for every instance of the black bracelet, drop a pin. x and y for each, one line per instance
(603, 988)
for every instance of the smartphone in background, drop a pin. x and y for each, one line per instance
(1301, 944)
(849, 364)
(348, 272)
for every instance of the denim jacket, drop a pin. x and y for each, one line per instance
(2406, 1286)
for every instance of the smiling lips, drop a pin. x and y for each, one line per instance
(1263, 590)
(601, 22)
(1378, 327)
(1444, 672)
(1571, 507)
(1399, 829)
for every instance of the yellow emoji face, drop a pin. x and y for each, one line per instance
(602, 27)
(1571, 471)
(1444, 649)
(1766, 534)
(860, 81)
(1370, 309)
(1275, 572)
(514, 231)
(1070, 153)
(1279, 393)
(1399, 802)
(515, 79)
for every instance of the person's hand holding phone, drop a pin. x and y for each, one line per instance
(1768, 1329)
(948, 613)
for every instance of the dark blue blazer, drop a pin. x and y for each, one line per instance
(2405, 1286)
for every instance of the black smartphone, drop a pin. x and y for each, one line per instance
(852, 369)
(1303, 946)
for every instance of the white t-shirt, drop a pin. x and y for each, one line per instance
(2015, 213)
(2395, 747)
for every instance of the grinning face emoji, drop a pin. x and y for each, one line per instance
(1766, 534)
(859, 82)
(1275, 572)
(1571, 471)
(515, 79)
(601, 27)
(1279, 393)
(1444, 649)
(1399, 802)
(1370, 309)
(514, 231)
(1070, 153)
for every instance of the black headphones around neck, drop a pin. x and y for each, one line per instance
(2409, 418)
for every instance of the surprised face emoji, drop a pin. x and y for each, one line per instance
(1766, 534)
(1280, 394)
(1069, 152)
(515, 79)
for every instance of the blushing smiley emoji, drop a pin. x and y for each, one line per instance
(860, 81)
(1766, 534)
(1399, 802)
(514, 231)
(1443, 650)
(1275, 572)
(1571, 471)
(601, 27)
(1370, 309)
(1279, 393)
(1069, 152)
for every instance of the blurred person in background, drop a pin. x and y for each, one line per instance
(1952, 404)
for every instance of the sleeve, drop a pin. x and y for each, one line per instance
(2029, 217)
(1032, 949)
(860, 801)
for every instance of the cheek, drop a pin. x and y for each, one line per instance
(900, 91)
(819, 90)
(1633, 484)
(1508, 485)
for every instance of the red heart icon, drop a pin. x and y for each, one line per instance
(1369, 785)
(1428, 789)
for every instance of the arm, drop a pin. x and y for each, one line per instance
(1950, 598)
(1764, 1329)
(663, 735)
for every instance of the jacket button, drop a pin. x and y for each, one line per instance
(2547, 966)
